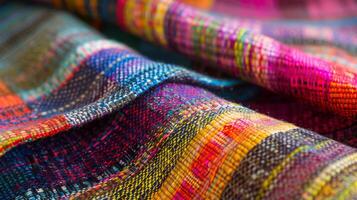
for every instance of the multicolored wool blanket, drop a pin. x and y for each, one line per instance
(178, 99)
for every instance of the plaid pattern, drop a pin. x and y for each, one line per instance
(236, 50)
(92, 118)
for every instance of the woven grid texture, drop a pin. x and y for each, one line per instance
(86, 117)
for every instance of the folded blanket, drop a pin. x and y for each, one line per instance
(85, 117)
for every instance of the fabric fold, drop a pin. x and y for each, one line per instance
(84, 117)
(226, 45)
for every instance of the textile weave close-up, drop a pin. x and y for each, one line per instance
(178, 99)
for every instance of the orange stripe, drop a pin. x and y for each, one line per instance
(9, 99)
(182, 180)
(203, 4)
(32, 131)
(220, 145)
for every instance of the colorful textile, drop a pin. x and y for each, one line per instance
(85, 117)
(234, 49)
(277, 9)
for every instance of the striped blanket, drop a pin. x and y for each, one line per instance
(178, 99)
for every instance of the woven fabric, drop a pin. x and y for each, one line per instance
(312, 61)
(86, 117)
(277, 9)
(241, 52)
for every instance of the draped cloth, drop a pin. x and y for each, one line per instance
(169, 99)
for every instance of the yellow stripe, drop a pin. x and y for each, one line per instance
(147, 19)
(267, 182)
(130, 14)
(340, 187)
(246, 58)
(113, 184)
(180, 171)
(349, 191)
(255, 136)
(159, 21)
(244, 141)
(238, 50)
(327, 174)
